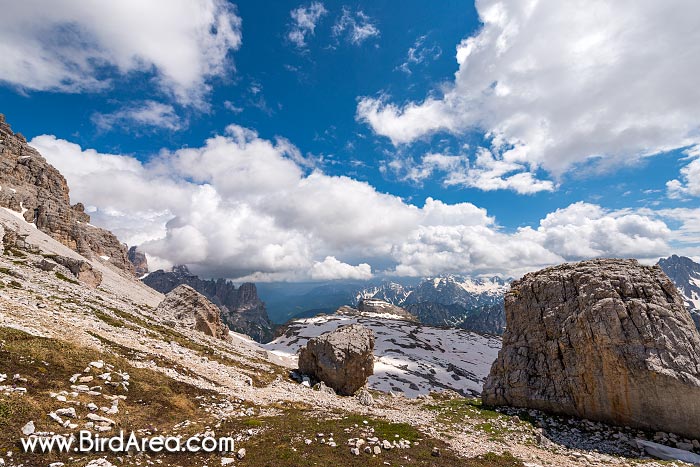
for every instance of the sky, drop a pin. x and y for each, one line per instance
(312, 141)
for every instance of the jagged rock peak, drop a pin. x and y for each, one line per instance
(138, 259)
(606, 339)
(685, 273)
(186, 307)
(33, 187)
(241, 308)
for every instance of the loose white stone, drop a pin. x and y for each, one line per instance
(69, 412)
(29, 428)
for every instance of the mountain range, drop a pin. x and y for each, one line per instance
(685, 274)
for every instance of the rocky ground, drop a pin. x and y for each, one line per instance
(74, 357)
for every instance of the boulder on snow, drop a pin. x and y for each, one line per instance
(342, 358)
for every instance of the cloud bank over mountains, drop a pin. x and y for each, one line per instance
(245, 207)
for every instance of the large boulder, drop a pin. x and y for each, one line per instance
(343, 358)
(605, 339)
(186, 307)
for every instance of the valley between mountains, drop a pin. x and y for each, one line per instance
(88, 341)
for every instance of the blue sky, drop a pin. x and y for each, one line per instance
(501, 112)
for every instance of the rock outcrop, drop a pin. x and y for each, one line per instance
(186, 307)
(241, 309)
(81, 269)
(373, 305)
(607, 339)
(34, 188)
(138, 259)
(343, 358)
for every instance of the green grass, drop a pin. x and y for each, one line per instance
(154, 401)
(280, 442)
(483, 418)
(63, 277)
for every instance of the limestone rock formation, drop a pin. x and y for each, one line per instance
(81, 269)
(186, 307)
(34, 188)
(606, 339)
(343, 358)
(373, 305)
(138, 259)
(241, 308)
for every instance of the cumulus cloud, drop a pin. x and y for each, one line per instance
(140, 115)
(304, 21)
(77, 45)
(689, 183)
(331, 268)
(486, 172)
(356, 26)
(241, 206)
(554, 85)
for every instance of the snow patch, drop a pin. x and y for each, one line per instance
(409, 357)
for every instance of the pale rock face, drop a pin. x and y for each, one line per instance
(138, 259)
(186, 307)
(35, 189)
(373, 305)
(605, 339)
(343, 358)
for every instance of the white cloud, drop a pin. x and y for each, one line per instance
(419, 53)
(244, 207)
(304, 21)
(357, 27)
(142, 114)
(331, 268)
(486, 172)
(76, 45)
(556, 84)
(689, 183)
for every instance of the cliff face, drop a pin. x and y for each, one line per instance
(138, 259)
(34, 188)
(241, 308)
(608, 340)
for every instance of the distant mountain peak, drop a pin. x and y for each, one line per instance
(685, 274)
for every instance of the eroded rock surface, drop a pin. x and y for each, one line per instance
(186, 307)
(343, 358)
(37, 191)
(606, 339)
(241, 308)
(138, 259)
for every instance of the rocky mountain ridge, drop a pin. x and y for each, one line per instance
(685, 274)
(451, 301)
(33, 188)
(241, 308)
